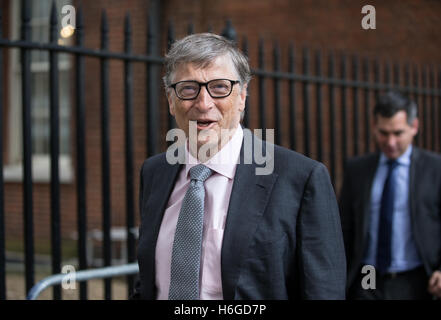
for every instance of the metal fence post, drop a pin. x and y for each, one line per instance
(229, 31)
(277, 94)
(55, 150)
(152, 79)
(332, 116)
(27, 145)
(355, 119)
(306, 105)
(130, 192)
(262, 89)
(292, 99)
(344, 114)
(367, 109)
(81, 151)
(319, 111)
(105, 154)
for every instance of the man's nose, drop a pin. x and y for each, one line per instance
(204, 101)
(391, 140)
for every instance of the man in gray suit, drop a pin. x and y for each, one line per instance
(269, 234)
(391, 210)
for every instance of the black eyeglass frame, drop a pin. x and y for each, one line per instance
(203, 84)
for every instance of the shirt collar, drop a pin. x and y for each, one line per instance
(225, 161)
(404, 159)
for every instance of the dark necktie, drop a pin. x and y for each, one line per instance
(187, 245)
(384, 248)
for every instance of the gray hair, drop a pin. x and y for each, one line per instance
(201, 49)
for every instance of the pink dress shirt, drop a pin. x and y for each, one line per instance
(217, 197)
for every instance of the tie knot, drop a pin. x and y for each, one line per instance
(392, 164)
(200, 172)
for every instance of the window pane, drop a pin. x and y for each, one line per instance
(39, 34)
(40, 8)
(40, 113)
(65, 107)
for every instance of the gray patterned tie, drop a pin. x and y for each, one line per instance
(187, 245)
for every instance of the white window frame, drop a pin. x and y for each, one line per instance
(13, 169)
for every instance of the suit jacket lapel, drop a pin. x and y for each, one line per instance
(249, 197)
(414, 186)
(161, 186)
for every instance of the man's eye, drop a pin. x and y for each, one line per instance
(219, 87)
(187, 90)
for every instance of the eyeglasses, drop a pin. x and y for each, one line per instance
(217, 88)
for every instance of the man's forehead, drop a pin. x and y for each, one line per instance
(394, 123)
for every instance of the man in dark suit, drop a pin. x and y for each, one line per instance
(390, 207)
(265, 231)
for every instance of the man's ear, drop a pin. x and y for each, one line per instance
(243, 97)
(415, 126)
